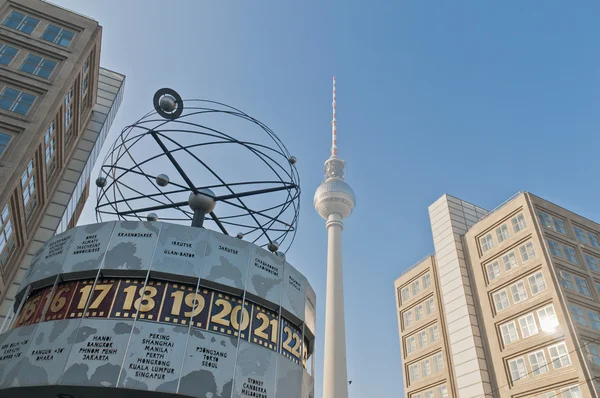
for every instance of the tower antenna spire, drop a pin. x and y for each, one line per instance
(334, 150)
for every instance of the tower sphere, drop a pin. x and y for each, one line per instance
(334, 196)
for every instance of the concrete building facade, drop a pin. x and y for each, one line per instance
(56, 106)
(519, 299)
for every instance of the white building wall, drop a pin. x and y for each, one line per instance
(450, 219)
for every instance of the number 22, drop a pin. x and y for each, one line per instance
(292, 336)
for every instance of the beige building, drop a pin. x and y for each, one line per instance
(507, 306)
(56, 105)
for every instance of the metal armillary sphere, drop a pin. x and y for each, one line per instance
(205, 163)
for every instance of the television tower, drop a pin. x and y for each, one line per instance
(334, 201)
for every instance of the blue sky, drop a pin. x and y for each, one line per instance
(476, 99)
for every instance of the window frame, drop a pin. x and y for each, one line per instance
(522, 293)
(522, 375)
(518, 223)
(499, 293)
(537, 366)
(528, 325)
(39, 66)
(3, 145)
(50, 150)
(510, 258)
(7, 239)
(22, 22)
(547, 323)
(527, 250)
(493, 273)
(18, 101)
(29, 189)
(3, 47)
(509, 333)
(559, 357)
(502, 233)
(58, 36)
(486, 242)
(536, 283)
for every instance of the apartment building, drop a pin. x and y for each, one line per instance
(56, 106)
(519, 294)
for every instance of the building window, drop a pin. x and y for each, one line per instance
(571, 392)
(501, 300)
(510, 261)
(509, 332)
(518, 292)
(57, 35)
(410, 344)
(580, 234)
(487, 242)
(422, 339)
(434, 333)
(442, 392)
(559, 355)
(69, 116)
(554, 248)
(577, 314)
(537, 283)
(527, 251)
(7, 54)
(405, 293)
(544, 219)
(419, 312)
(502, 233)
(413, 373)
(570, 254)
(7, 241)
(21, 22)
(428, 394)
(50, 150)
(550, 394)
(559, 225)
(537, 360)
(518, 370)
(438, 363)
(416, 287)
(493, 270)
(429, 306)
(582, 286)
(4, 140)
(85, 82)
(426, 280)
(528, 326)
(38, 66)
(594, 353)
(407, 318)
(16, 101)
(426, 367)
(518, 223)
(28, 186)
(594, 319)
(594, 240)
(565, 280)
(591, 263)
(547, 317)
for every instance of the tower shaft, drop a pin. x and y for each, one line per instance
(335, 377)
